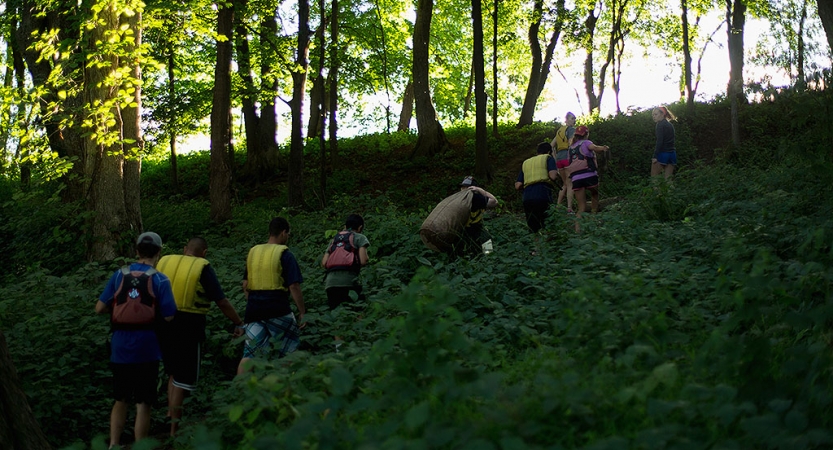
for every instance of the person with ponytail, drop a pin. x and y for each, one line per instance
(665, 154)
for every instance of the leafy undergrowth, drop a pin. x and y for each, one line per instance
(689, 315)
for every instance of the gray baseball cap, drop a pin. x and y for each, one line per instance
(149, 237)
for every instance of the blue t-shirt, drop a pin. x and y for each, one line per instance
(263, 305)
(139, 346)
(539, 191)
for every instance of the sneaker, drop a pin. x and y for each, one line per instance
(570, 212)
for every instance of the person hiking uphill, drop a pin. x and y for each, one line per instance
(665, 152)
(560, 144)
(536, 181)
(344, 258)
(272, 275)
(475, 234)
(137, 297)
(583, 171)
(195, 287)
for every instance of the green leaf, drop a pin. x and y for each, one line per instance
(417, 416)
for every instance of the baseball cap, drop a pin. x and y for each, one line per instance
(149, 237)
(468, 181)
(582, 130)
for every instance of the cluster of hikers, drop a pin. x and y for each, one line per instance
(158, 307)
(158, 304)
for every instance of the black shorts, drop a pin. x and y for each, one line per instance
(586, 183)
(135, 383)
(536, 213)
(337, 295)
(182, 362)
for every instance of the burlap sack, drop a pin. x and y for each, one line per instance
(444, 226)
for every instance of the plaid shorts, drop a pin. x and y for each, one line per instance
(259, 335)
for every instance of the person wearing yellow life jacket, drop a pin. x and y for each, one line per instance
(195, 287)
(560, 144)
(475, 233)
(272, 275)
(536, 181)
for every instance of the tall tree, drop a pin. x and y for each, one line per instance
(736, 20)
(482, 165)
(540, 68)
(19, 430)
(431, 136)
(826, 15)
(296, 105)
(407, 107)
(335, 66)
(132, 129)
(219, 188)
(495, 14)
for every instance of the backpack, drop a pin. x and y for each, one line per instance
(576, 154)
(343, 253)
(134, 304)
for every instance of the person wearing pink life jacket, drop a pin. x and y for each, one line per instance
(583, 170)
(343, 260)
(137, 297)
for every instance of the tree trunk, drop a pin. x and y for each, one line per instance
(540, 69)
(431, 136)
(299, 79)
(333, 79)
(171, 99)
(825, 8)
(317, 103)
(219, 188)
(495, 131)
(482, 166)
(589, 84)
(385, 76)
(407, 107)
(469, 89)
(134, 142)
(687, 79)
(19, 430)
(736, 19)
(102, 142)
(802, 80)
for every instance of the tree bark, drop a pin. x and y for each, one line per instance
(482, 165)
(19, 430)
(299, 79)
(335, 62)
(540, 69)
(687, 78)
(407, 107)
(171, 97)
(103, 144)
(431, 136)
(317, 101)
(825, 8)
(736, 20)
(219, 189)
(134, 142)
(593, 101)
(495, 131)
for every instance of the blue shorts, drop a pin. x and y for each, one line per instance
(665, 158)
(260, 333)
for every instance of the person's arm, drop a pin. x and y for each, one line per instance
(552, 169)
(298, 298)
(519, 185)
(660, 138)
(491, 201)
(363, 259)
(228, 310)
(324, 259)
(598, 148)
(100, 307)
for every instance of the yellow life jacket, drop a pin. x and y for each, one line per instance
(264, 267)
(561, 142)
(184, 273)
(535, 170)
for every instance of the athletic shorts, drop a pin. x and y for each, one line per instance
(284, 330)
(135, 383)
(536, 213)
(562, 163)
(182, 362)
(338, 295)
(586, 183)
(665, 158)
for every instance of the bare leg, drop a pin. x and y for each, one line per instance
(568, 185)
(117, 418)
(594, 200)
(668, 171)
(175, 399)
(142, 421)
(581, 200)
(243, 366)
(564, 188)
(656, 168)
